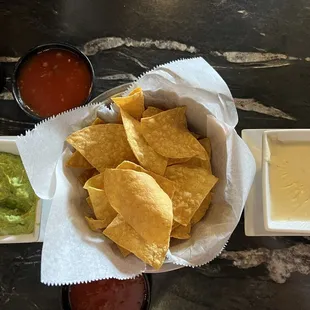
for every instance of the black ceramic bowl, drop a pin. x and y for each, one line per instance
(65, 295)
(36, 50)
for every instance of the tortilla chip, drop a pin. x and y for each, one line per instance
(95, 225)
(193, 184)
(167, 185)
(99, 201)
(146, 156)
(124, 252)
(76, 160)
(196, 135)
(103, 145)
(141, 202)
(181, 232)
(125, 236)
(97, 121)
(206, 143)
(87, 174)
(176, 161)
(132, 104)
(89, 203)
(195, 161)
(168, 135)
(150, 111)
(201, 211)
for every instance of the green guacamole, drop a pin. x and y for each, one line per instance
(17, 198)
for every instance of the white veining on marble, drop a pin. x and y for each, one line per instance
(8, 59)
(135, 60)
(12, 122)
(250, 57)
(252, 105)
(106, 43)
(279, 262)
(260, 59)
(243, 12)
(121, 76)
(6, 95)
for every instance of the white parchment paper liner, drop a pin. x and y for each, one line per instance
(71, 252)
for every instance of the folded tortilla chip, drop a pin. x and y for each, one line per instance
(176, 161)
(87, 174)
(206, 163)
(168, 135)
(193, 184)
(142, 203)
(77, 160)
(96, 225)
(103, 145)
(132, 104)
(167, 185)
(150, 111)
(125, 236)
(124, 252)
(181, 232)
(146, 156)
(99, 201)
(206, 143)
(201, 211)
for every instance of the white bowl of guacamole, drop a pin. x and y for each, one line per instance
(17, 199)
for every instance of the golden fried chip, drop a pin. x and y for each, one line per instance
(201, 211)
(99, 201)
(146, 156)
(206, 143)
(141, 202)
(77, 160)
(150, 111)
(175, 161)
(196, 135)
(195, 161)
(87, 174)
(124, 252)
(167, 185)
(181, 232)
(168, 135)
(96, 225)
(89, 203)
(125, 236)
(103, 145)
(192, 186)
(97, 121)
(132, 104)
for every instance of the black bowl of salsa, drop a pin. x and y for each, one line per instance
(110, 294)
(51, 79)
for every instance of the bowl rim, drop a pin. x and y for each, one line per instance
(36, 50)
(65, 292)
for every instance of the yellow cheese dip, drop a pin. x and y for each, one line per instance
(289, 177)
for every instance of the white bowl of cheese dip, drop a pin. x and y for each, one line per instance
(286, 180)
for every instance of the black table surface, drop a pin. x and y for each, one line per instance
(260, 48)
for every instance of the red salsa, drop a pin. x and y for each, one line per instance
(53, 81)
(109, 294)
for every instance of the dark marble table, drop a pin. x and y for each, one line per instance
(261, 49)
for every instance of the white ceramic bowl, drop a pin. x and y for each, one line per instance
(8, 145)
(288, 225)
